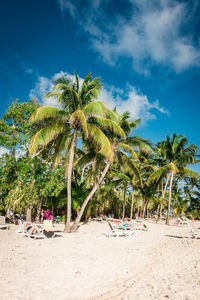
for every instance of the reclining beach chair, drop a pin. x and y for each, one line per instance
(194, 232)
(49, 230)
(38, 235)
(21, 227)
(182, 221)
(3, 224)
(123, 231)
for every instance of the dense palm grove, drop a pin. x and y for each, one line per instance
(83, 160)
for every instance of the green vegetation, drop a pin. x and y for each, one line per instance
(84, 159)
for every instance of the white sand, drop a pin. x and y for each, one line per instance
(157, 264)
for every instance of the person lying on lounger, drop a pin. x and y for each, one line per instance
(32, 229)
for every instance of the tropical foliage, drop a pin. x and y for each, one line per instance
(83, 160)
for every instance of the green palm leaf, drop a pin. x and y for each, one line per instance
(127, 148)
(100, 140)
(44, 136)
(48, 112)
(110, 125)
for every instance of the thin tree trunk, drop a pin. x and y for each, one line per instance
(165, 188)
(89, 197)
(132, 202)
(178, 182)
(38, 212)
(28, 212)
(124, 202)
(144, 208)
(163, 194)
(69, 178)
(170, 196)
(161, 207)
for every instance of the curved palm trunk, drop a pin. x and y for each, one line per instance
(144, 208)
(163, 195)
(132, 202)
(69, 179)
(170, 196)
(89, 197)
(124, 202)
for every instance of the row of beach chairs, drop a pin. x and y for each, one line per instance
(46, 229)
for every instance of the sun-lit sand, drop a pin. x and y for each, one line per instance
(161, 263)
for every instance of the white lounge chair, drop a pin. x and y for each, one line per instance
(194, 232)
(21, 224)
(123, 231)
(48, 227)
(182, 221)
(3, 224)
(38, 235)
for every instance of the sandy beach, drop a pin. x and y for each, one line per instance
(161, 263)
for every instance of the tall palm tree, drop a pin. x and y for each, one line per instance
(79, 115)
(177, 154)
(123, 147)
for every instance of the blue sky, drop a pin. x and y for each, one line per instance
(146, 52)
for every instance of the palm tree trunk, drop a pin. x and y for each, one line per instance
(74, 227)
(169, 200)
(165, 188)
(178, 182)
(163, 195)
(132, 202)
(28, 212)
(69, 179)
(124, 202)
(39, 206)
(144, 208)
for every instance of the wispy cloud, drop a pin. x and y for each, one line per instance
(130, 98)
(148, 32)
(3, 151)
(43, 86)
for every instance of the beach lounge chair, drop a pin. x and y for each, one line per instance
(21, 227)
(194, 232)
(38, 235)
(3, 224)
(182, 221)
(122, 231)
(49, 230)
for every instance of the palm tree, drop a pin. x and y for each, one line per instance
(176, 155)
(122, 148)
(79, 115)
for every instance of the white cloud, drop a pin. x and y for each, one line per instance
(3, 151)
(43, 86)
(131, 98)
(153, 34)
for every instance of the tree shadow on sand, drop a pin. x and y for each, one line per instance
(181, 237)
(177, 236)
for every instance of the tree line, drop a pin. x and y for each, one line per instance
(83, 158)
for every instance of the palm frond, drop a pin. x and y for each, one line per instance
(100, 140)
(105, 123)
(95, 108)
(48, 112)
(140, 143)
(191, 173)
(127, 148)
(155, 176)
(45, 135)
